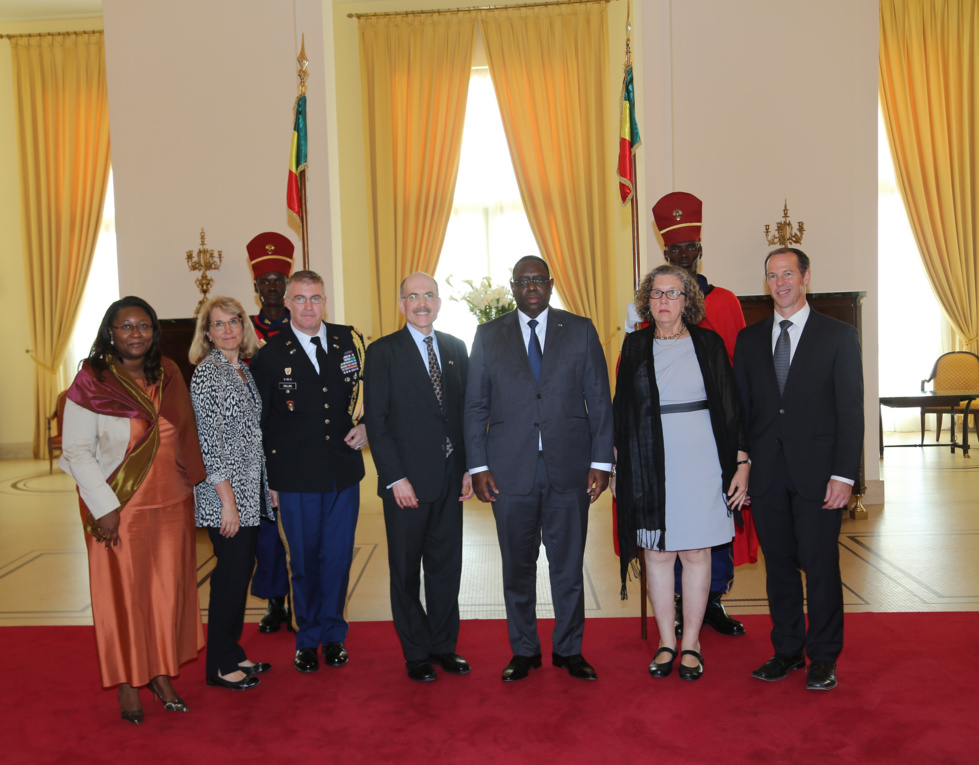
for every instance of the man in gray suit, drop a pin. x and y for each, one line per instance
(538, 431)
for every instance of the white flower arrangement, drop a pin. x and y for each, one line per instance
(487, 301)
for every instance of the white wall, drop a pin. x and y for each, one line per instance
(200, 107)
(749, 103)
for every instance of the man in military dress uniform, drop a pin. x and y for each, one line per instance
(309, 378)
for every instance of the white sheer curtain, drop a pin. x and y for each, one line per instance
(910, 317)
(488, 231)
(101, 290)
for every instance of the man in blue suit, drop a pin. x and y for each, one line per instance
(538, 424)
(309, 378)
(801, 379)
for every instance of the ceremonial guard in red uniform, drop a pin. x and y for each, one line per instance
(270, 257)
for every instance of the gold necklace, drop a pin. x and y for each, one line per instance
(683, 328)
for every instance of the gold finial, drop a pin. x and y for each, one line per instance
(303, 63)
(785, 233)
(203, 261)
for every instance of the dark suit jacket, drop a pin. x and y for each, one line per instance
(818, 420)
(304, 421)
(405, 426)
(570, 409)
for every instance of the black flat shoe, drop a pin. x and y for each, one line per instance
(778, 667)
(691, 673)
(177, 705)
(421, 671)
(335, 655)
(244, 684)
(662, 669)
(576, 665)
(520, 666)
(452, 663)
(258, 668)
(307, 660)
(822, 676)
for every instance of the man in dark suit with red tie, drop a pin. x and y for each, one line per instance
(801, 379)
(413, 396)
(309, 379)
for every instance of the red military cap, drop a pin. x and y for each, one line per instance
(270, 251)
(679, 216)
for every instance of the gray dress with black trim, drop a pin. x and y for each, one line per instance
(696, 511)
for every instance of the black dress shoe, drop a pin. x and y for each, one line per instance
(520, 666)
(258, 668)
(663, 668)
(691, 673)
(822, 676)
(421, 671)
(335, 655)
(577, 666)
(276, 615)
(678, 616)
(452, 663)
(716, 617)
(307, 660)
(778, 667)
(235, 685)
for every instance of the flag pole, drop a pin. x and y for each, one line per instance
(303, 217)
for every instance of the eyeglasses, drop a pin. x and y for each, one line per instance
(526, 281)
(671, 294)
(128, 329)
(219, 325)
(676, 249)
(414, 297)
(301, 299)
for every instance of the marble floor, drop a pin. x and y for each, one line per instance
(917, 552)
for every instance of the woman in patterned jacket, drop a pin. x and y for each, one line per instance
(235, 494)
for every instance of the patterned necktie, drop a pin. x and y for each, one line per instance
(783, 354)
(435, 375)
(320, 357)
(534, 350)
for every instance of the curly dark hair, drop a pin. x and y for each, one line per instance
(152, 366)
(693, 311)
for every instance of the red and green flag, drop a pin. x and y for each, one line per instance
(297, 159)
(629, 139)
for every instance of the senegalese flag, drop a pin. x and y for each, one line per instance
(629, 139)
(297, 159)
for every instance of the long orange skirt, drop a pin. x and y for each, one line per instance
(144, 595)
(144, 591)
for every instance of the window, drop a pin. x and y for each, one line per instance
(101, 290)
(488, 231)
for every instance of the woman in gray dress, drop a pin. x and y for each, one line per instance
(679, 437)
(235, 494)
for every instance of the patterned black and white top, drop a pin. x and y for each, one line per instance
(228, 424)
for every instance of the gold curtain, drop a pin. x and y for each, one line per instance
(63, 146)
(550, 68)
(929, 99)
(415, 77)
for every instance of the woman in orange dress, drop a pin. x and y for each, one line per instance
(131, 445)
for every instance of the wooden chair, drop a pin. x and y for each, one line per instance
(54, 439)
(958, 370)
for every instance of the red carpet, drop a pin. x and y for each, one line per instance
(907, 694)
